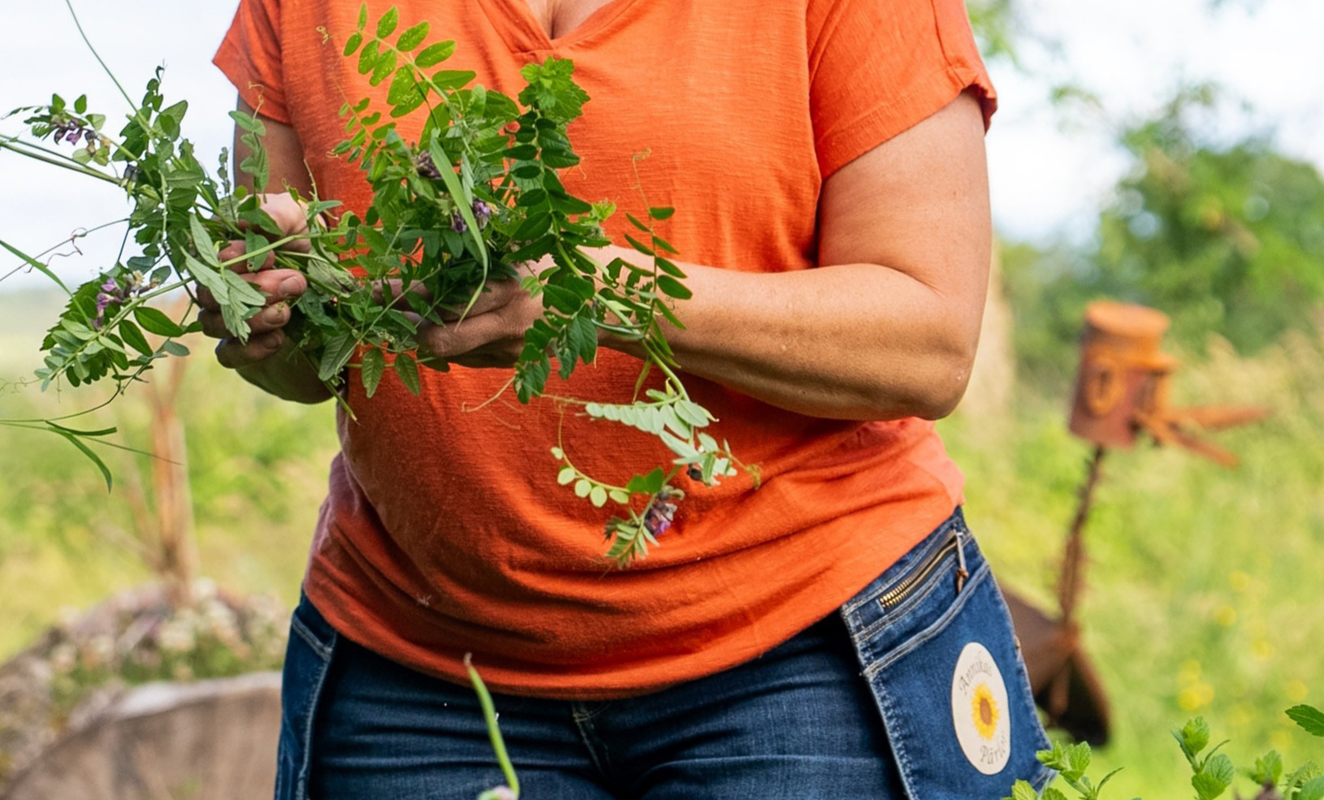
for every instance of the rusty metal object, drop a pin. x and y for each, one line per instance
(1123, 393)
(1124, 387)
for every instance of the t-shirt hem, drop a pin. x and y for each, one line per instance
(338, 600)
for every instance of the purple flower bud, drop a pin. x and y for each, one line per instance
(111, 285)
(103, 300)
(457, 222)
(73, 136)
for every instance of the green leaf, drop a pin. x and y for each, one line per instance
(566, 475)
(385, 66)
(1052, 794)
(582, 487)
(387, 24)
(434, 54)
(1309, 718)
(638, 245)
(368, 57)
(412, 38)
(661, 213)
(87, 451)
(1207, 786)
(1193, 737)
(80, 105)
(635, 222)
(407, 368)
(1312, 789)
(134, 337)
(1268, 769)
(353, 43)
(339, 349)
(451, 78)
(374, 366)
(1220, 767)
(249, 123)
(175, 349)
(363, 16)
(155, 321)
(673, 288)
(1020, 790)
(202, 241)
(598, 497)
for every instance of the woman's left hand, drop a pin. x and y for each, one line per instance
(490, 334)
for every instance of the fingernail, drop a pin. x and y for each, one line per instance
(291, 287)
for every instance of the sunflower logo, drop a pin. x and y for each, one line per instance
(984, 711)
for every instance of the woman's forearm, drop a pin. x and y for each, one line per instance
(855, 341)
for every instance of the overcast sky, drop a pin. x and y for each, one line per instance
(1047, 180)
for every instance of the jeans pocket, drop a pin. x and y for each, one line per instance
(308, 657)
(941, 659)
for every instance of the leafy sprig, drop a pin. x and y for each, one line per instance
(475, 199)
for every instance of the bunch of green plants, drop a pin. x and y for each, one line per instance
(475, 199)
(1212, 772)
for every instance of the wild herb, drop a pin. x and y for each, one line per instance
(1212, 772)
(475, 199)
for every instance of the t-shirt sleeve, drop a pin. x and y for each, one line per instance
(878, 67)
(250, 56)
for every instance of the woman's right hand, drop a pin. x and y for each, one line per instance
(269, 359)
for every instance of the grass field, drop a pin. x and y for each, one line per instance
(1204, 582)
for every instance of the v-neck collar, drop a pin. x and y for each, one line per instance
(524, 34)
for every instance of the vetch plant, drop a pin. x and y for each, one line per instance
(475, 199)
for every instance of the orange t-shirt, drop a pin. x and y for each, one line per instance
(445, 531)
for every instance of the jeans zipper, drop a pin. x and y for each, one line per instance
(901, 591)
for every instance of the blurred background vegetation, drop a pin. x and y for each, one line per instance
(1204, 582)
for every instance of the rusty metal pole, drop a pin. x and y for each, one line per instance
(1073, 560)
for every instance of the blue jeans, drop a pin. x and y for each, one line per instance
(943, 711)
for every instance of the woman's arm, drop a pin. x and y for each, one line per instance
(887, 326)
(269, 360)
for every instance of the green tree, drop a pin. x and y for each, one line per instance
(1225, 238)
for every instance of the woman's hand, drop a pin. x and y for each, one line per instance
(488, 335)
(282, 287)
(269, 358)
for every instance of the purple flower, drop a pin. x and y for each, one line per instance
(659, 515)
(73, 136)
(482, 213)
(110, 286)
(457, 222)
(427, 167)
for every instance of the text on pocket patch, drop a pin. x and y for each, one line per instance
(980, 710)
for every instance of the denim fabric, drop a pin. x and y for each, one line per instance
(797, 723)
(930, 653)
